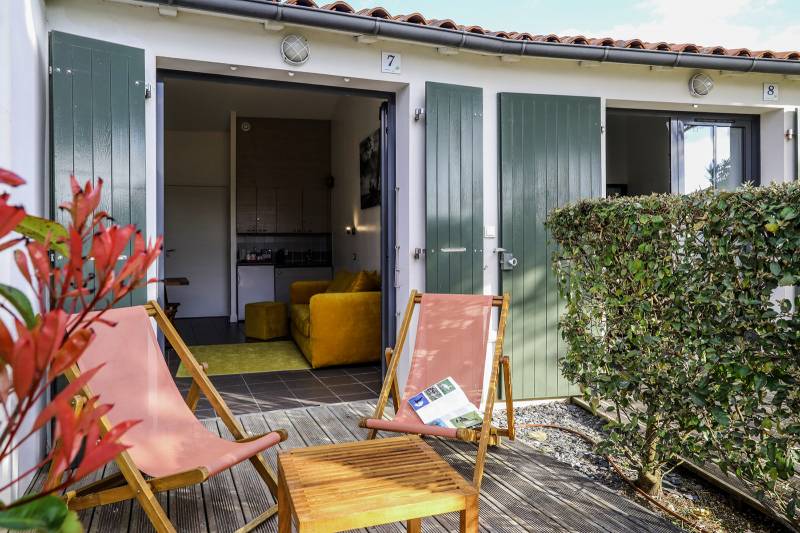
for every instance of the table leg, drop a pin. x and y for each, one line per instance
(284, 505)
(414, 525)
(469, 516)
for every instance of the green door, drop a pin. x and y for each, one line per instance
(97, 94)
(549, 156)
(453, 188)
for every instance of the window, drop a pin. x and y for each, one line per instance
(713, 154)
(661, 151)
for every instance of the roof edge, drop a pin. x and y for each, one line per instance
(460, 39)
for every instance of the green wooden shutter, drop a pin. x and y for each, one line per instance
(454, 188)
(549, 156)
(97, 94)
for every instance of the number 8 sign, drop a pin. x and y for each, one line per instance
(771, 92)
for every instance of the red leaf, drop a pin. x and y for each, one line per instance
(5, 383)
(40, 261)
(22, 265)
(70, 351)
(9, 178)
(49, 335)
(84, 201)
(6, 342)
(23, 364)
(107, 448)
(64, 397)
(11, 242)
(10, 215)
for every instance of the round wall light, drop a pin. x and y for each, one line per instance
(295, 49)
(700, 84)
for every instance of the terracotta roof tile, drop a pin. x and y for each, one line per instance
(377, 12)
(413, 18)
(473, 29)
(580, 40)
(443, 23)
(342, 7)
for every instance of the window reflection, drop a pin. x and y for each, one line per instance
(713, 156)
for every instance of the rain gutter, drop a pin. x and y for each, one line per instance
(435, 36)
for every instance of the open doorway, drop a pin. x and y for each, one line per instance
(274, 231)
(668, 152)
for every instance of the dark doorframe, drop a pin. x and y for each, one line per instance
(388, 181)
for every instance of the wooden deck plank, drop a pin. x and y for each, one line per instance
(114, 517)
(522, 490)
(254, 495)
(222, 507)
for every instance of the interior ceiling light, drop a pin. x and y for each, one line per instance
(295, 50)
(700, 84)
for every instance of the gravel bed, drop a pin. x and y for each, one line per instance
(684, 493)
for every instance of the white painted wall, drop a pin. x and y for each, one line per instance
(23, 83)
(211, 44)
(355, 119)
(196, 220)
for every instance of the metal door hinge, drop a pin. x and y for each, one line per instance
(419, 114)
(419, 253)
(50, 69)
(148, 91)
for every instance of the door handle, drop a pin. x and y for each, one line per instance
(457, 250)
(507, 259)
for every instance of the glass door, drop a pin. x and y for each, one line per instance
(715, 154)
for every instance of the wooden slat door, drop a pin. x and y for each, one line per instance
(454, 188)
(549, 156)
(97, 94)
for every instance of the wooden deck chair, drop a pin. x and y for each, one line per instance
(170, 448)
(451, 340)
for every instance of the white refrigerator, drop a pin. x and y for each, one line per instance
(254, 283)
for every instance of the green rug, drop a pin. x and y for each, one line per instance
(247, 358)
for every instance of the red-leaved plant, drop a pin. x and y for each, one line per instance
(36, 348)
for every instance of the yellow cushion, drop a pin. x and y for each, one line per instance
(363, 282)
(301, 318)
(265, 320)
(341, 282)
(376, 276)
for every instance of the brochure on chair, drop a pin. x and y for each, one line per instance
(445, 404)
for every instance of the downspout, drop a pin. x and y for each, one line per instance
(435, 36)
(797, 144)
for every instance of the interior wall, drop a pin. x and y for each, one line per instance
(196, 181)
(638, 153)
(355, 119)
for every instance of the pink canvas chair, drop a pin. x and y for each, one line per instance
(170, 448)
(451, 341)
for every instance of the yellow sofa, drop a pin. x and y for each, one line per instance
(336, 328)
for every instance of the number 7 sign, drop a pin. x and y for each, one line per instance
(390, 62)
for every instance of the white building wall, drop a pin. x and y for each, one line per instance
(23, 82)
(208, 43)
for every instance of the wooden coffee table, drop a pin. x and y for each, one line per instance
(360, 484)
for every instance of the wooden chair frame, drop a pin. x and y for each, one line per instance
(488, 434)
(131, 483)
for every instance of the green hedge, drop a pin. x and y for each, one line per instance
(679, 313)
